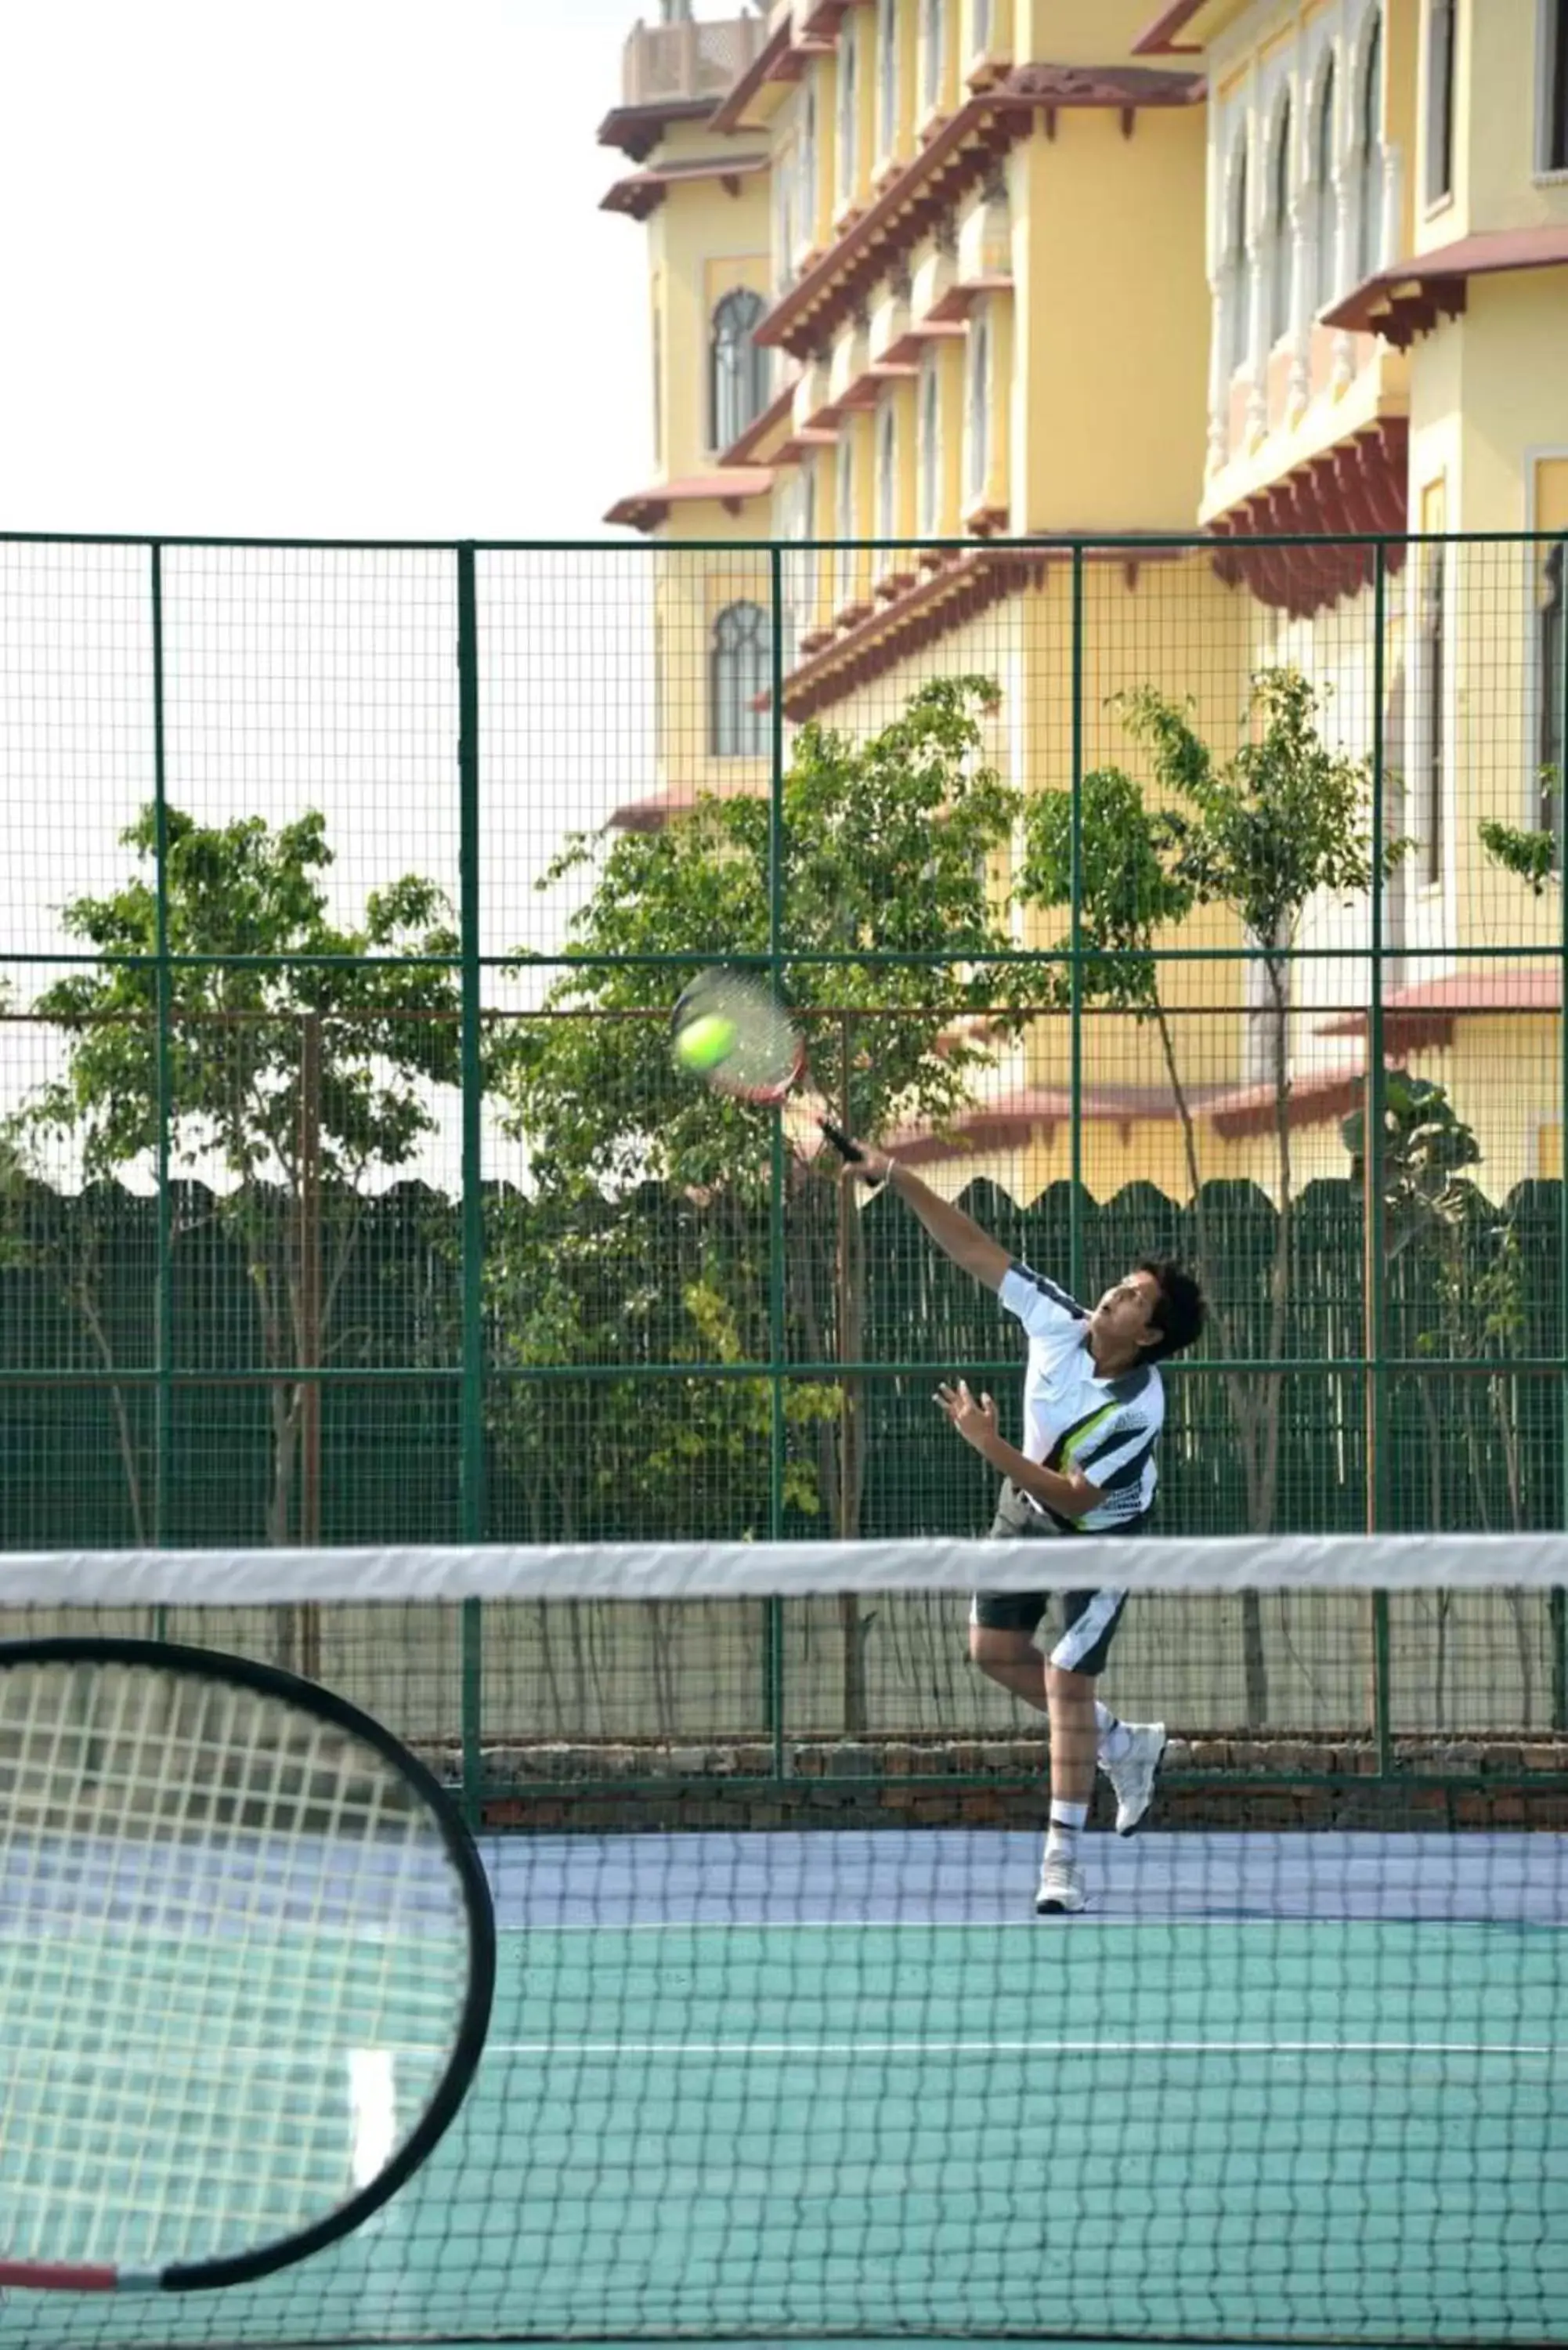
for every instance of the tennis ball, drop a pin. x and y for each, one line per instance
(703, 1044)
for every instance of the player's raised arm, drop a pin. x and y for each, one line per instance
(957, 1235)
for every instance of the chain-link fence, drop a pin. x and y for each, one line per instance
(1150, 896)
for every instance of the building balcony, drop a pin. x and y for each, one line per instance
(673, 73)
(664, 62)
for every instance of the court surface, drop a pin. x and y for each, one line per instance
(785, 2086)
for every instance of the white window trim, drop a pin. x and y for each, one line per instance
(846, 142)
(888, 92)
(1356, 152)
(978, 355)
(1433, 207)
(1429, 887)
(1279, 233)
(1545, 452)
(929, 451)
(1324, 192)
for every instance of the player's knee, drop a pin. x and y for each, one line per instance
(991, 1649)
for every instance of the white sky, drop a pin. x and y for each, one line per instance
(316, 267)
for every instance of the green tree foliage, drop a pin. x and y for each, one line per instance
(302, 1066)
(883, 850)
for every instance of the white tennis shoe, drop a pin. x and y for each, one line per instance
(1061, 1886)
(1135, 1778)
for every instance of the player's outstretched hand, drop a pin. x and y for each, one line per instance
(869, 1165)
(974, 1419)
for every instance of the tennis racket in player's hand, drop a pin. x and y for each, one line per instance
(731, 1029)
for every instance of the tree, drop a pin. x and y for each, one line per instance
(885, 845)
(1465, 1279)
(295, 1057)
(1262, 834)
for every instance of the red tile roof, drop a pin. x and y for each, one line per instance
(1408, 299)
(644, 191)
(645, 509)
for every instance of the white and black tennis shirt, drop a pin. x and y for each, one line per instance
(1074, 1419)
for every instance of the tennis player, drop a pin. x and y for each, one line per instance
(1093, 1405)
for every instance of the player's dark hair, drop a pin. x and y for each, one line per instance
(1179, 1310)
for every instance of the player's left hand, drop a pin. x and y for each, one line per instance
(974, 1419)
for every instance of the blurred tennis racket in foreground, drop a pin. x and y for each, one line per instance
(248, 1953)
(731, 1029)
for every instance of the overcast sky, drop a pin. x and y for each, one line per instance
(316, 267)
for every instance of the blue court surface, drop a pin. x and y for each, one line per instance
(794, 2086)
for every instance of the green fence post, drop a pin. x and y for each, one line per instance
(470, 1438)
(1558, 1603)
(774, 1622)
(163, 1308)
(1377, 1494)
(1075, 1015)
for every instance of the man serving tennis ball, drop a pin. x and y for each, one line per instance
(1094, 1404)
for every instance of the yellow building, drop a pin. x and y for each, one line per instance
(990, 271)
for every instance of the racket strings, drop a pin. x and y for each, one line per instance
(220, 1918)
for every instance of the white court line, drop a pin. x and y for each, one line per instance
(1021, 2048)
(372, 2094)
(1085, 1921)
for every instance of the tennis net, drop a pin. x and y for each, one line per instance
(780, 2047)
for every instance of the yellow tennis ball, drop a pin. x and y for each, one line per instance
(702, 1044)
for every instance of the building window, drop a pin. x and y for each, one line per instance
(1551, 638)
(844, 591)
(887, 472)
(1325, 206)
(1280, 239)
(1369, 156)
(1555, 85)
(657, 388)
(1440, 100)
(740, 663)
(739, 378)
(887, 76)
(1434, 758)
(1236, 275)
(849, 110)
(807, 206)
(932, 29)
(981, 27)
(979, 404)
(783, 232)
(931, 423)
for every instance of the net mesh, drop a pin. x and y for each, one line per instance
(780, 2047)
(233, 1965)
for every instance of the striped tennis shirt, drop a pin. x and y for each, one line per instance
(1074, 1419)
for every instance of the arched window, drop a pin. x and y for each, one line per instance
(1238, 276)
(932, 30)
(848, 108)
(739, 366)
(887, 76)
(1325, 197)
(1280, 240)
(886, 471)
(1439, 99)
(740, 665)
(978, 405)
(931, 427)
(1369, 155)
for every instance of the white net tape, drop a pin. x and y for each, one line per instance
(740, 1570)
(233, 1959)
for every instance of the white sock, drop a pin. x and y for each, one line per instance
(1115, 1737)
(1068, 1822)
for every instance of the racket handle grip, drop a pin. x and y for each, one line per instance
(849, 1151)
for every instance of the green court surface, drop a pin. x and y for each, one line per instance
(1239, 2121)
